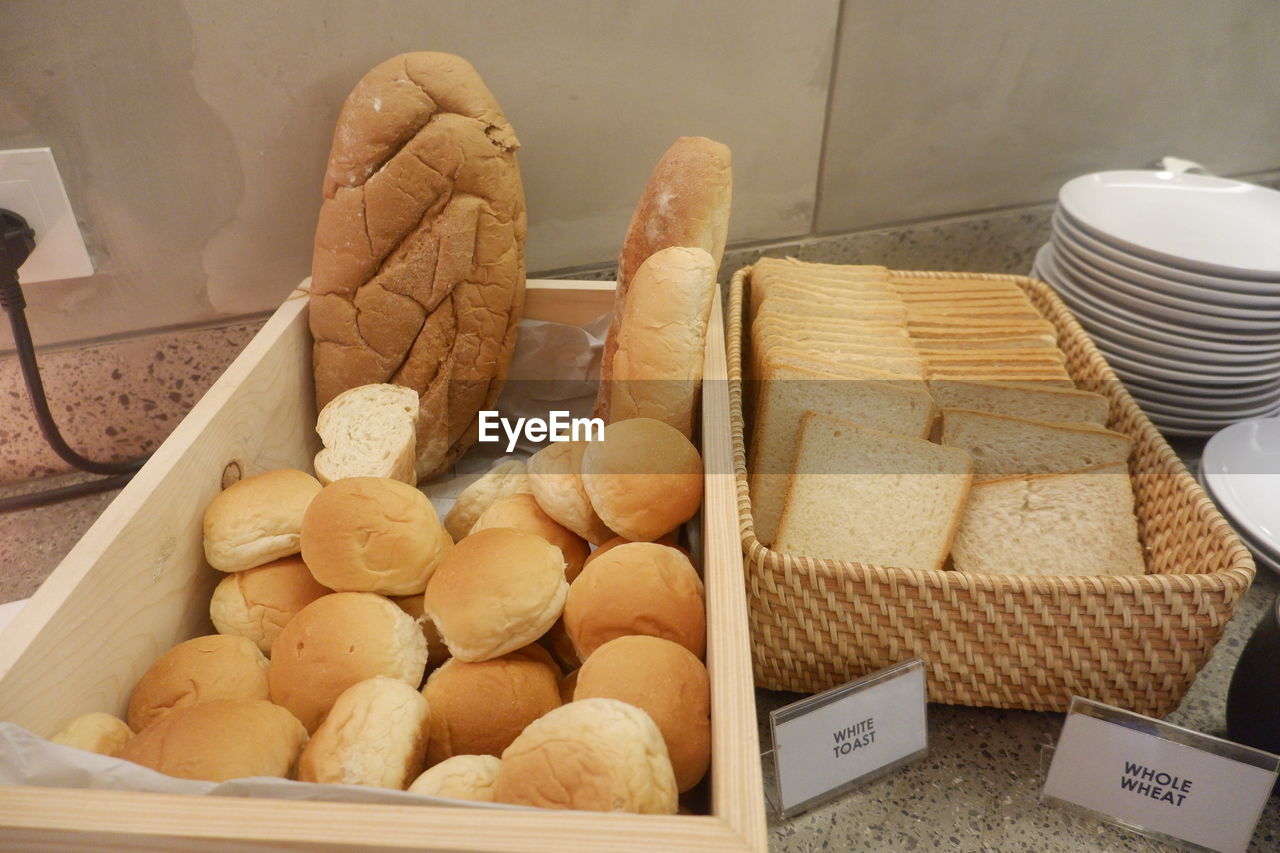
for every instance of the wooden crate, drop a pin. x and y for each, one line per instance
(137, 584)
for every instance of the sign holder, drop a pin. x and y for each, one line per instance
(829, 743)
(1162, 781)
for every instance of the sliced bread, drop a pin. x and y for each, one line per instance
(1003, 446)
(871, 497)
(1022, 400)
(1068, 523)
(369, 431)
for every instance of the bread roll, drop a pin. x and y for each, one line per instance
(220, 740)
(257, 519)
(644, 479)
(437, 651)
(657, 360)
(596, 754)
(95, 732)
(374, 735)
(686, 202)
(667, 682)
(257, 603)
(639, 588)
(463, 777)
(337, 641)
(479, 708)
(418, 273)
(522, 512)
(557, 643)
(555, 477)
(505, 477)
(497, 590)
(369, 431)
(671, 539)
(198, 670)
(372, 534)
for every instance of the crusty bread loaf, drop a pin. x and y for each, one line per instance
(596, 754)
(337, 641)
(505, 477)
(480, 707)
(463, 777)
(644, 478)
(1003, 446)
(369, 431)
(198, 670)
(257, 603)
(497, 590)
(220, 740)
(871, 497)
(686, 202)
(1068, 523)
(657, 359)
(418, 273)
(257, 519)
(375, 734)
(666, 681)
(95, 732)
(373, 534)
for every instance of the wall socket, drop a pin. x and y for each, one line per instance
(31, 187)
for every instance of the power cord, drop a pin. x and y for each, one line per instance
(17, 241)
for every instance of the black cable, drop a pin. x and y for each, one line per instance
(17, 241)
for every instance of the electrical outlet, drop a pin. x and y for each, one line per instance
(31, 187)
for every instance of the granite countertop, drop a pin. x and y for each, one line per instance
(977, 789)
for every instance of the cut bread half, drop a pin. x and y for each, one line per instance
(369, 431)
(1004, 446)
(868, 496)
(1068, 523)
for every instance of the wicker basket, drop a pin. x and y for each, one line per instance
(1006, 641)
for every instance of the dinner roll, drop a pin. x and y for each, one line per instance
(557, 642)
(478, 708)
(374, 735)
(95, 732)
(497, 590)
(463, 777)
(220, 740)
(337, 641)
(505, 477)
(522, 512)
(217, 666)
(555, 476)
(257, 519)
(371, 534)
(672, 539)
(667, 682)
(638, 588)
(257, 603)
(437, 651)
(596, 754)
(644, 479)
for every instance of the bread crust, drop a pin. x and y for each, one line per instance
(418, 270)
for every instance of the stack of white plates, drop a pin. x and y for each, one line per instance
(1240, 470)
(1176, 277)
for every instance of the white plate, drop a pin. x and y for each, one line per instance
(1262, 556)
(1187, 365)
(1143, 341)
(1176, 294)
(1114, 258)
(1137, 300)
(1180, 403)
(1204, 414)
(1245, 395)
(1215, 225)
(1241, 466)
(1073, 295)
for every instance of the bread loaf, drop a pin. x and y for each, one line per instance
(418, 273)
(369, 431)
(685, 203)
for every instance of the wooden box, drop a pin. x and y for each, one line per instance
(137, 584)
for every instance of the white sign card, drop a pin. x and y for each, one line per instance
(1159, 779)
(828, 743)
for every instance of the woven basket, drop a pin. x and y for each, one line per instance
(1006, 641)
